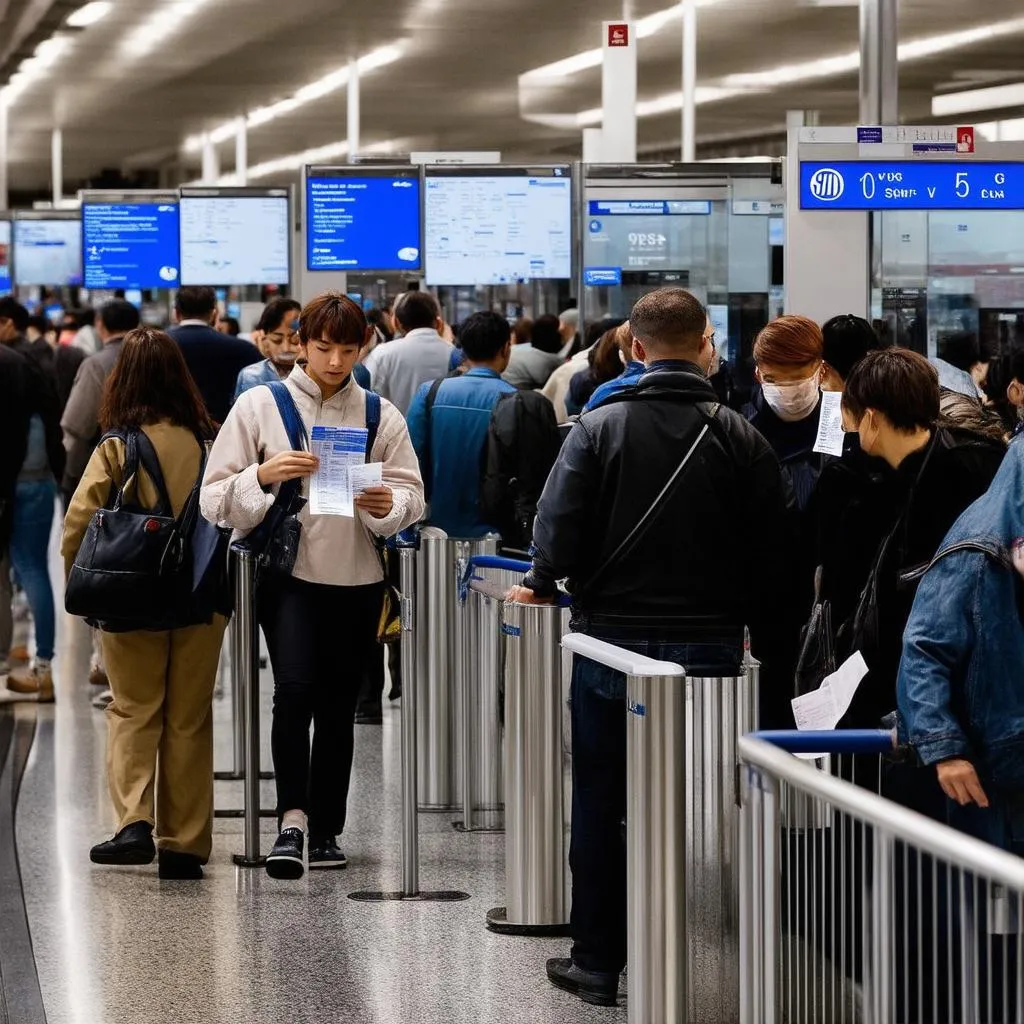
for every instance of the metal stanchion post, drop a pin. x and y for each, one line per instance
(247, 678)
(237, 705)
(433, 741)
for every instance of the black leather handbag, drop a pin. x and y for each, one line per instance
(136, 568)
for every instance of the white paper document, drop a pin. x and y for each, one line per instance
(830, 425)
(340, 451)
(821, 709)
(370, 474)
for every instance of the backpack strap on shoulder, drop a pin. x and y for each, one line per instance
(139, 451)
(293, 424)
(372, 422)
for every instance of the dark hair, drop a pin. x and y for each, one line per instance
(195, 303)
(378, 318)
(605, 363)
(900, 384)
(523, 330)
(1017, 367)
(332, 317)
(234, 329)
(483, 336)
(670, 318)
(150, 382)
(416, 309)
(595, 331)
(274, 313)
(546, 336)
(847, 340)
(789, 341)
(962, 350)
(11, 309)
(43, 324)
(119, 317)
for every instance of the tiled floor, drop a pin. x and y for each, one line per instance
(118, 945)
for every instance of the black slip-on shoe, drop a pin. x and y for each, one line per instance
(285, 859)
(594, 987)
(325, 853)
(179, 866)
(132, 845)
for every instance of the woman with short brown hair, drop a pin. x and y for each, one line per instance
(160, 724)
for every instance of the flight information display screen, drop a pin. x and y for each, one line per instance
(131, 243)
(47, 252)
(903, 185)
(5, 257)
(232, 237)
(363, 218)
(639, 235)
(496, 225)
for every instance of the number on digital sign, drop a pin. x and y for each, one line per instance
(963, 189)
(867, 184)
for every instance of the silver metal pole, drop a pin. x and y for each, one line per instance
(238, 656)
(247, 677)
(353, 110)
(410, 822)
(882, 896)
(433, 721)
(689, 147)
(211, 161)
(242, 151)
(879, 62)
(57, 165)
(4, 150)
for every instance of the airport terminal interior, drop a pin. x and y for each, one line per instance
(551, 163)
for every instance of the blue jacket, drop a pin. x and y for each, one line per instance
(451, 457)
(264, 373)
(625, 380)
(960, 686)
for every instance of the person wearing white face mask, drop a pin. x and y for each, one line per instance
(788, 354)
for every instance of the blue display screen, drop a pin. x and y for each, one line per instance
(649, 207)
(903, 185)
(602, 277)
(130, 245)
(5, 256)
(368, 221)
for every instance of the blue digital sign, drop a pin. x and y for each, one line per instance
(602, 277)
(5, 256)
(919, 185)
(363, 219)
(130, 244)
(649, 207)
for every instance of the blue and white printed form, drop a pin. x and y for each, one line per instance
(343, 473)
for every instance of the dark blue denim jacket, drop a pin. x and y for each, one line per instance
(961, 681)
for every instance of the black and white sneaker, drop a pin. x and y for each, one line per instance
(285, 859)
(324, 853)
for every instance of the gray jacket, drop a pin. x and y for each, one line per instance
(81, 419)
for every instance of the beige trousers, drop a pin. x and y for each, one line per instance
(160, 732)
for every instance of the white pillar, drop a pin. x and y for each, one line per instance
(353, 110)
(689, 148)
(3, 152)
(879, 62)
(593, 146)
(618, 92)
(211, 161)
(57, 165)
(242, 152)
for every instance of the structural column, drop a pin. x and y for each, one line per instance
(879, 62)
(618, 92)
(57, 165)
(4, 150)
(211, 161)
(242, 152)
(353, 110)
(689, 147)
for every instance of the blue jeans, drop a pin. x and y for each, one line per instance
(29, 550)
(597, 852)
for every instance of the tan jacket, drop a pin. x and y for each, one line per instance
(179, 454)
(334, 549)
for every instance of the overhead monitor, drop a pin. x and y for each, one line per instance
(494, 225)
(47, 249)
(363, 218)
(235, 236)
(5, 256)
(130, 239)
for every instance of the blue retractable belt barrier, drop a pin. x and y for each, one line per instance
(497, 562)
(838, 741)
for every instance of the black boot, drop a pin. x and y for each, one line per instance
(182, 866)
(595, 987)
(132, 845)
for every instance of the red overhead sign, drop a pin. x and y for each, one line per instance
(618, 35)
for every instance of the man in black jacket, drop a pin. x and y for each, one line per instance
(213, 359)
(707, 561)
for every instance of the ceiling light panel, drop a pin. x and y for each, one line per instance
(978, 99)
(169, 17)
(90, 14)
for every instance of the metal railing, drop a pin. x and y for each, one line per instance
(856, 908)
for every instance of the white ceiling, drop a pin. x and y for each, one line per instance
(457, 85)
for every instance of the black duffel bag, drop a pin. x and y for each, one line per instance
(144, 569)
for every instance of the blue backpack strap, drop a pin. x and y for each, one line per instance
(372, 422)
(293, 424)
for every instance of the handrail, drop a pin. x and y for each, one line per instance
(619, 659)
(496, 562)
(835, 741)
(941, 841)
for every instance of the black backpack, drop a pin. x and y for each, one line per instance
(144, 569)
(523, 442)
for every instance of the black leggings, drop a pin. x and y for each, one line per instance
(319, 638)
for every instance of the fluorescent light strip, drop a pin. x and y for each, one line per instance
(168, 19)
(34, 68)
(90, 14)
(335, 80)
(645, 27)
(978, 99)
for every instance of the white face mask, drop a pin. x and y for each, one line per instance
(792, 402)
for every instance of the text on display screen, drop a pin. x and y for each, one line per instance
(47, 252)
(131, 245)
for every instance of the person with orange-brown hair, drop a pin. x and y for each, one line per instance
(788, 355)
